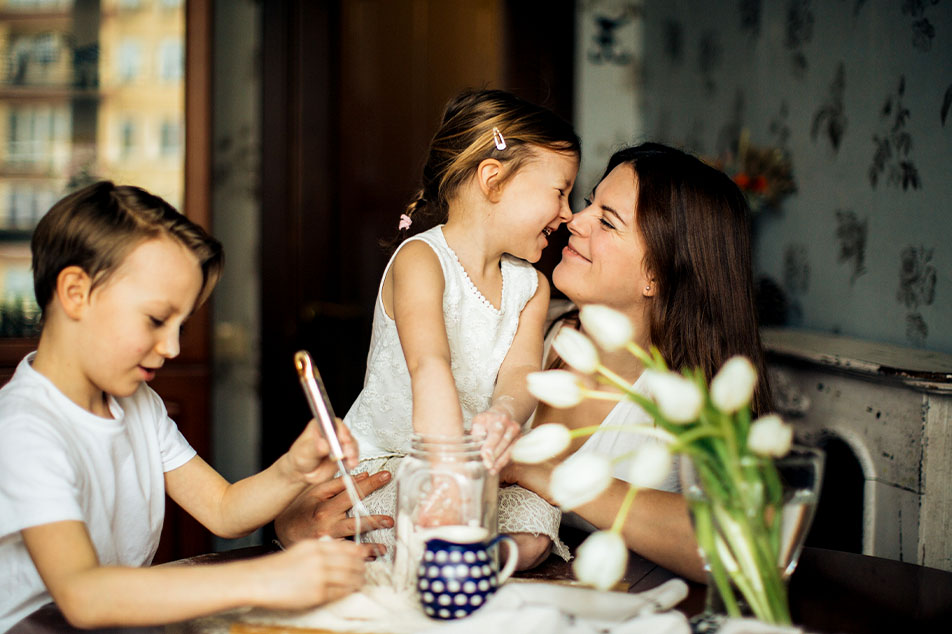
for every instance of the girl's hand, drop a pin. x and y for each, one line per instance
(310, 454)
(309, 573)
(499, 431)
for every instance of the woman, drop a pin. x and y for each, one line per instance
(664, 240)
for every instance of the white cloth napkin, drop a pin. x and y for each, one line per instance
(560, 609)
(516, 607)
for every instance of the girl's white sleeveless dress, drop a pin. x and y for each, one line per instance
(479, 337)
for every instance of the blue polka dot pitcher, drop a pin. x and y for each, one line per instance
(458, 573)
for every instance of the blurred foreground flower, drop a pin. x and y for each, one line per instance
(733, 386)
(739, 530)
(580, 479)
(601, 560)
(649, 466)
(609, 328)
(678, 397)
(558, 388)
(577, 350)
(770, 436)
(542, 443)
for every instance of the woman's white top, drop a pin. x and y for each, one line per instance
(612, 442)
(479, 337)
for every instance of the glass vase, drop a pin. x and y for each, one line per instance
(750, 521)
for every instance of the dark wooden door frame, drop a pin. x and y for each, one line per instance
(301, 200)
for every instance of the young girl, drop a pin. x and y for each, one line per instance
(88, 451)
(458, 320)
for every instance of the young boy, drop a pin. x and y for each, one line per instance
(87, 451)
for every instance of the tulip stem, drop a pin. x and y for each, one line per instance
(603, 396)
(613, 377)
(695, 434)
(624, 508)
(634, 429)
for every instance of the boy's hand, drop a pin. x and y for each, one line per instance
(310, 454)
(310, 573)
(499, 431)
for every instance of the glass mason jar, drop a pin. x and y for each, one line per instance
(441, 482)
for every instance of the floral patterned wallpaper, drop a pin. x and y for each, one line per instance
(856, 92)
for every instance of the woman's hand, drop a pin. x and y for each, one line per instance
(499, 431)
(322, 511)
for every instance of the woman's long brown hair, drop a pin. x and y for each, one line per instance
(696, 226)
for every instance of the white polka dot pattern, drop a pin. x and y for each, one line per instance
(454, 580)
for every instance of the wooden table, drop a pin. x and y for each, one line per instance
(831, 591)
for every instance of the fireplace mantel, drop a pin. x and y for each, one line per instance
(921, 369)
(893, 407)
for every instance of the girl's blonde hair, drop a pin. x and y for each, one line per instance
(466, 138)
(96, 227)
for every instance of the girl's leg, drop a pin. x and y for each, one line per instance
(533, 549)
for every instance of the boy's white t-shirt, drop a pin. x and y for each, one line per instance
(60, 462)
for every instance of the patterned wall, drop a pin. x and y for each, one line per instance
(857, 92)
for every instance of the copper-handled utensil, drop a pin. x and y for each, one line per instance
(320, 404)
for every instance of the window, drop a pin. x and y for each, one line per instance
(36, 134)
(170, 139)
(81, 100)
(171, 60)
(46, 49)
(129, 60)
(127, 138)
(26, 204)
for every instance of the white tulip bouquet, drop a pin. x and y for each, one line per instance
(738, 521)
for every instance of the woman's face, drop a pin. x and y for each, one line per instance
(604, 260)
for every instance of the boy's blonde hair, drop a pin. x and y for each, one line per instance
(96, 227)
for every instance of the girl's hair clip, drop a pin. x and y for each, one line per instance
(405, 222)
(498, 139)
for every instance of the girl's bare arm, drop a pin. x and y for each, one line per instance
(417, 295)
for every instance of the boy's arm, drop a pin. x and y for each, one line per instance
(234, 510)
(512, 403)
(91, 595)
(418, 312)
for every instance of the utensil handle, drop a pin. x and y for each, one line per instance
(512, 557)
(318, 400)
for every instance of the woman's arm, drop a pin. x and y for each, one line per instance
(417, 294)
(91, 595)
(512, 404)
(658, 526)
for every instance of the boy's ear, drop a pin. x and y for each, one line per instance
(73, 286)
(489, 175)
